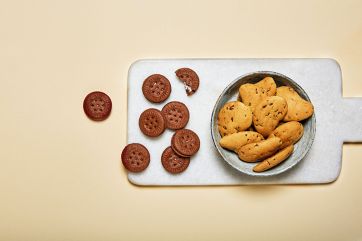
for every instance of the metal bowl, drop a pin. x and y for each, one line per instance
(231, 93)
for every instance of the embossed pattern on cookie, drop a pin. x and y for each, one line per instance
(189, 78)
(135, 157)
(176, 115)
(156, 88)
(174, 163)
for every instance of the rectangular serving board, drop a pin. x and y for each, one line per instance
(338, 119)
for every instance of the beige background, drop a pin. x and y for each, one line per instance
(60, 177)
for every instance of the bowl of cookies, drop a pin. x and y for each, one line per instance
(263, 123)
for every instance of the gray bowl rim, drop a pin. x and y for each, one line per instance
(220, 149)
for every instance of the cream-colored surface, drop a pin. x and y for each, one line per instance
(60, 177)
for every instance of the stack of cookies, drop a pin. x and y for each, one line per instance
(153, 122)
(265, 124)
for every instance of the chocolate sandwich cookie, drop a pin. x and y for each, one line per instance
(156, 88)
(152, 122)
(189, 78)
(97, 106)
(176, 115)
(172, 162)
(135, 157)
(185, 142)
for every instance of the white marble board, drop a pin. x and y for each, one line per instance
(338, 119)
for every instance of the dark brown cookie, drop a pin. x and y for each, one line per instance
(135, 157)
(152, 122)
(172, 162)
(97, 106)
(180, 154)
(176, 115)
(189, 78)
(185, 142)
(156, 88)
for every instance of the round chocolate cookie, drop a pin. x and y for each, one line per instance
(152, 122)
(185, 142)
(172, 162)
(189, 78)
(135, 157)
(176, 115)
(97, 106)
(156, 88)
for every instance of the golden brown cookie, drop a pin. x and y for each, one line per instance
(298, 108)
(233, 117)
(156, 88)
(234, 141)
(274, 160)
(267, 86)
(289, 133)
(268, 113)
(152, 122)
(251, 95)
(257, 151)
